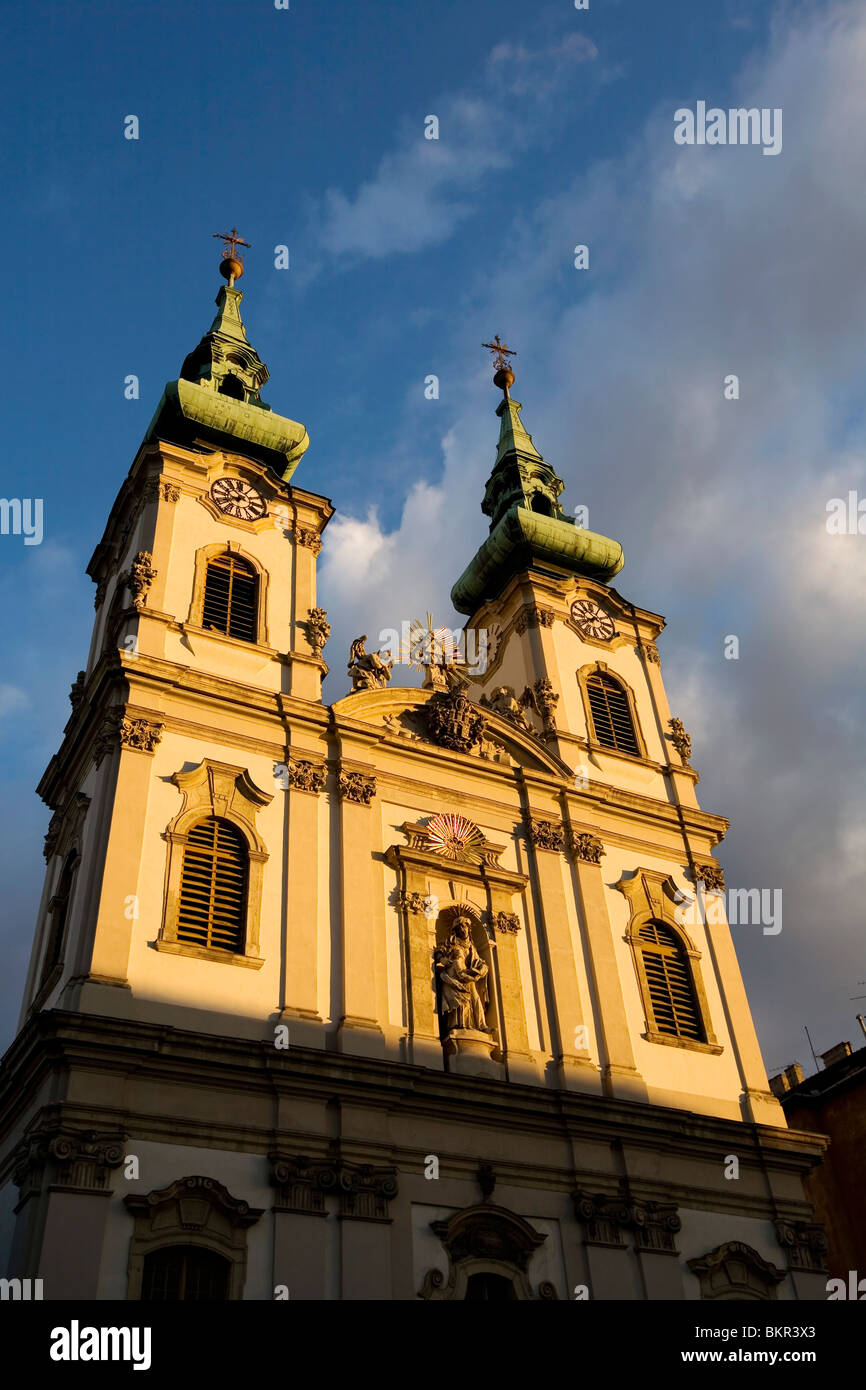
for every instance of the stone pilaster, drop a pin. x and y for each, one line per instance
(569, 1012)
(301, 995)
(620, 1074)
(360, 1024)
(64, 1176)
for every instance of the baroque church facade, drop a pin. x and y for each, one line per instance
(428, 993)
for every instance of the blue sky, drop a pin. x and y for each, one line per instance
(304, 127)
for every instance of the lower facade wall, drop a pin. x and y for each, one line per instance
(329, 1256)
(320, 1176)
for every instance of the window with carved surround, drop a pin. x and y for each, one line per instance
(230, 594)
(611, 714)
(667, 965)
(669, 987)
(231, 598)
(213, 887)
(215, 869)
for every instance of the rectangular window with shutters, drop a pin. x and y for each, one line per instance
(213, 891)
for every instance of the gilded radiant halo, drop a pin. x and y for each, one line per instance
(454, 837)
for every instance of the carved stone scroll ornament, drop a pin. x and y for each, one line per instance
(651, 652)
(318, 630)
(416, 903)
(356, 786)
(507, 922)
(681, 740)
(367, 669)
(140, 577)
(546, 700)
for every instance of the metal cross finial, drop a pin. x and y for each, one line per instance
(500, 352)
(231, 239)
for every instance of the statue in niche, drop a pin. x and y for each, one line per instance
(461, 973)
(367, 669)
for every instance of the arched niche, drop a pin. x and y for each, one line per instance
(465, 1034)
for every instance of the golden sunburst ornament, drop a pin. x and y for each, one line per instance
(454, 837)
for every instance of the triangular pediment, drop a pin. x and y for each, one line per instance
(408, 715)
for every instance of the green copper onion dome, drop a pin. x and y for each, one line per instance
(217, 395)
(528, 527)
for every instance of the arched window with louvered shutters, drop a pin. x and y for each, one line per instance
(611, 713)
(213, 888)
(231, 596)
(669, 983)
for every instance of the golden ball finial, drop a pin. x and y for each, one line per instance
(231, 268)
(231, 265)
(503, 377)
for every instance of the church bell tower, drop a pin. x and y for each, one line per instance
(428, 993)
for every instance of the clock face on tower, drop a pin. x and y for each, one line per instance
(592, 620)
(237, 498)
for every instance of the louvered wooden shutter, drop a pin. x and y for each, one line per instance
(669, 979)
(611, 716)
(213, 888)
(231, 597)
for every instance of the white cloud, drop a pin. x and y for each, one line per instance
(424, 188)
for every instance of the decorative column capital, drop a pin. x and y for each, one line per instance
(711, 875)
(302, 1184)
(356, 786)
(607, 1216)
(65, 1157)
(140, 734)
(545, 834)
(586, 847)
(305, 776)
(158, 489)
(507, 922)
(804, 1243)
(311, 540)
(533, 616)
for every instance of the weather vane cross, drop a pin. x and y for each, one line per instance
(500, 351)
(232, 239)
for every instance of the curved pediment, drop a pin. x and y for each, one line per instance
(451, 722)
